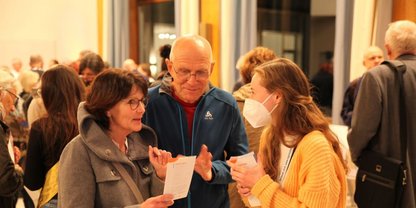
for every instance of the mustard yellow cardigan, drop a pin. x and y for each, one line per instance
(315, 178)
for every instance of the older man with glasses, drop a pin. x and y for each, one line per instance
(11, 180)
(191, 117)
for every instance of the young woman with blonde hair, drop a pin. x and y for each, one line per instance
(299, 161)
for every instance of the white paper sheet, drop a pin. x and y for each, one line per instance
(10, 147)
(179, 176)
(249, 161)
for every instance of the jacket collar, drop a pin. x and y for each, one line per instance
(407, 57)
(6, 129)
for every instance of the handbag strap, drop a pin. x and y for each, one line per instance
(400, 68)
(129, 181)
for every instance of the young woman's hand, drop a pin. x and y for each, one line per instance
(245, 177)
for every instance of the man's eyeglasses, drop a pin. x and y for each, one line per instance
(186, 74)
(134, 103)
(15, 96)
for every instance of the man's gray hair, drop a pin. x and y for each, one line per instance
(401, 36)
(6, 80)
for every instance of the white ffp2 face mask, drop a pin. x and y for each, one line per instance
(256, 113)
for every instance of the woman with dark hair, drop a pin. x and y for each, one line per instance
(61, 92)
(113, 141)
(299, 161)
(164, 52)
(90, 65)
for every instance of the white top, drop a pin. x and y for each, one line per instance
(286, 156)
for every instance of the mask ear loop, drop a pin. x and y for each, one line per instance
(268, 97)
(275, 106)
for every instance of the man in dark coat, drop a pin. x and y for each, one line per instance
(376, 116)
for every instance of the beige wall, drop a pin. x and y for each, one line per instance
(52, 28)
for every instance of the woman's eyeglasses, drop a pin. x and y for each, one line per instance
(134, 103)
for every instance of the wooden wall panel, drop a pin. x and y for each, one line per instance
(210, 29)
(134, 30)
(404, 9)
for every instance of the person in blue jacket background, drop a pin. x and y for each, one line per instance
(191, 117)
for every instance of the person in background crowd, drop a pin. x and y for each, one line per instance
(16, 67)
(164, 52)
(61, 91)
(373, 56)
(247, 64)
(238, 65)
(36, 64)
(52, 62)
(299, 161)
(107, 65)
(36, 108)
(323, 83)
(90, 65)
(11, 173)
(145, 70)
(129, 65)
(75, 64)
(111, 133)
(28, 79)
(376, 116)
(191, 117)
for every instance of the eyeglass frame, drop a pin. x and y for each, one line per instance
(188, 74)
(142, 101)
(16, 96)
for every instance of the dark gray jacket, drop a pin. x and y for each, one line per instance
(87, 177)
(375, 120)
(11, 181)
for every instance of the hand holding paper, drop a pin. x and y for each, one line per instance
(158, 201)
(159, 159)
(246, 172)
(178, 176)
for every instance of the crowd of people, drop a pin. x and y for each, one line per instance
(98, 136)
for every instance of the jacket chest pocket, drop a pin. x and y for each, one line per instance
(106, 174)
(145, 167)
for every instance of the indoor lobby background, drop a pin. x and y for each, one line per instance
(302, 30)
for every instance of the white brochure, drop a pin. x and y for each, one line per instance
(179, 176)
(10, 148)
(249, 161)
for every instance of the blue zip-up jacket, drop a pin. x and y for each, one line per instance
(217, 124)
